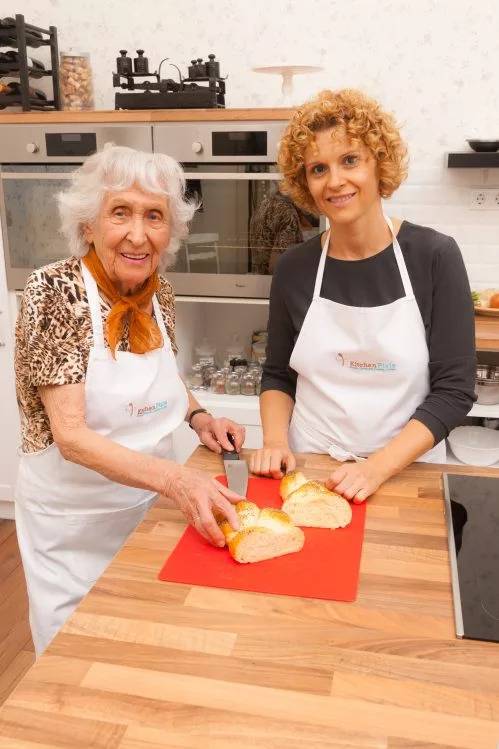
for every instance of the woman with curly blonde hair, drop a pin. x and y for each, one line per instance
(371, 354)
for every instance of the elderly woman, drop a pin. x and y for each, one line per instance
(98, 385)
(371, 353)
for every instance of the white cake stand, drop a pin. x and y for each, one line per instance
(287, 72)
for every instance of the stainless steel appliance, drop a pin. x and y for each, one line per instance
(472, 513)
(243, 222)
(242, 225)
(36, 162)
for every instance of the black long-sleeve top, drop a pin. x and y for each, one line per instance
(442, 291)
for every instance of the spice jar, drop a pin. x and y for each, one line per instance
(195, 377)
(205, 352)
(257, 376)
(258, 351)
(248, 384)
(233, 384)
(217, 384)
(75, 75)
(235, 350)
(208, 371)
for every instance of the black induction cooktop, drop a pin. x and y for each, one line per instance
(472, 512)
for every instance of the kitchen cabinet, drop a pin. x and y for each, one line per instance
(9, 416)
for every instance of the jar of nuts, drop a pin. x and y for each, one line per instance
(75, 75)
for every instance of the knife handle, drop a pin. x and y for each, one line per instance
(230, 454)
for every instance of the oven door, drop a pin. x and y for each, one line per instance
(30, 219)
(242, 226)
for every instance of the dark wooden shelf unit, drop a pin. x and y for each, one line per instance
(21, 37)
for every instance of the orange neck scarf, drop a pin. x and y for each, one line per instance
(143, 332)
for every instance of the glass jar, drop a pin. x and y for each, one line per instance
(195, 378)
(235, 350)
(248, 384)
(75, 75)
(258, 351)
(257, 376)
(205, 352)
(233, 384)
(217, 384)
(208, 371)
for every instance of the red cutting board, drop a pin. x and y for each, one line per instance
(327, 566)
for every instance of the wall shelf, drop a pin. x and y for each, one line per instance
(473, 160)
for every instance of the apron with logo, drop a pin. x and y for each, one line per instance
(71, 520)
(362, 372)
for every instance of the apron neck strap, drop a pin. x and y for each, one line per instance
(399, 257)
(406, 281)
(322, 263)
(94, 304)
(159, 319)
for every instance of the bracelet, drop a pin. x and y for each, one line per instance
(196, 411)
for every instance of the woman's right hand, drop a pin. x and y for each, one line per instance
(200, 498)
(271, 459)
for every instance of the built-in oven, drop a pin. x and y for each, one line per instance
(244, 222)
(36, 162)
(242, 225)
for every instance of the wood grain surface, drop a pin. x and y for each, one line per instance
(144, 664)
(146, 115)
(487, 333)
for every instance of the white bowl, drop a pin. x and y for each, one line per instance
(477, 446)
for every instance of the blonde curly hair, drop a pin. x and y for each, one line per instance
(363, 120)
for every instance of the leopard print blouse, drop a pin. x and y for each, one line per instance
(54, 337)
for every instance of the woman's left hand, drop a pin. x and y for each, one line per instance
(356, 481)
(213, 432)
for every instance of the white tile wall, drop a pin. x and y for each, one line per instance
(432, 62)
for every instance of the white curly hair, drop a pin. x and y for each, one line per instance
(116, 168)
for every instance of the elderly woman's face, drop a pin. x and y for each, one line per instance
(341, 176)
(129, 235)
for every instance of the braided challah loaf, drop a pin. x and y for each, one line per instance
(310, 504)
(263, 534)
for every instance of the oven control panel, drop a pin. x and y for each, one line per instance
(219, 142)
(68, 143)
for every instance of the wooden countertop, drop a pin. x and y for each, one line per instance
(145, 115)
(487, 333)
(145, 664)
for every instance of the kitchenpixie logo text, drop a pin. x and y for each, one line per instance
(134, 410)
(367, 366)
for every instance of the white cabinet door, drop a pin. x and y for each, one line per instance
(9, 416)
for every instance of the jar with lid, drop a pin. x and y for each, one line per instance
(248, 384)
(75, 76)
(233, 384)
(258, 351)
(195, 377)
(235, 350)
(217, 383)
(257, 376)
(208, 371)
(204, 352)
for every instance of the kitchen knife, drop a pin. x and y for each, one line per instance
(236, 470)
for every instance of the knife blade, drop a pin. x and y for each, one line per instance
(236, 470)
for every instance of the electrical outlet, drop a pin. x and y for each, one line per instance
(485, 199)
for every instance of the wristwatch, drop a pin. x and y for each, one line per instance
(196, 411)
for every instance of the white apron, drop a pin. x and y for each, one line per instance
(362, 372)
(71, 520)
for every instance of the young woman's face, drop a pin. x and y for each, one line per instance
(129, 235)
(342, 176)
